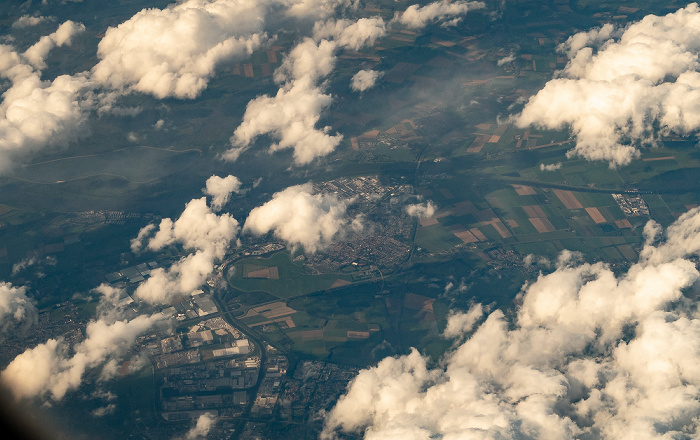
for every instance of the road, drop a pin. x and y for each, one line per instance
(254, 337)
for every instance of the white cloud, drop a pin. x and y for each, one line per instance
(364, 80)
(594, 36)
(29, 262)
(220, 189)
(459, 324)
(620, 83)
(201, 428)
(291, 117)
(30, 373)
(36, 55)
(138, 242)
(351, 34)
(531, 260)
(111, 300)
(417, 17)
(588, 354)
(49, 369)
(316, 8)
(175, 51)
(17, 310)
(36, 113)
(172, 52)
(550, 167)
(104, 410)
(198, 229)
(30, 20)
(302, 218)
(181, 279)
(292, 114)
(421, 210)
(506, 60)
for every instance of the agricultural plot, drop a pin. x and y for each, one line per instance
(530, 219)
(280, 276)
(323, 325)
(276, 312)
(680, 203)
(649, 167)
(255, 271)
(435, 238)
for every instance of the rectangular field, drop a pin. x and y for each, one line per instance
(478, 143)
(524, 190)
(624, 223)
(270, 273)
(462, 233)
(534, 211)
(596, 215)
(568, 199)
(500, 227)
(542, 225)
(478, 234)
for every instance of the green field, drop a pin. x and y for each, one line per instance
(436, 238)
(294, 279)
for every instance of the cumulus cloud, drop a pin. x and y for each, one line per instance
(49, 369)
(588, 354)
(417, 17)
(351, 34)
(220, 189)
(138, 243)
(181, 279)
(316, 9)
(531, 260)
(36, 113)
(201, 428)
(364, 80)
(17, 310)
(198, 229)
(302, 218)
(174, 52)
(623, 87)
(291, 115)
(63, 36)
(460, 324)
(421, 210)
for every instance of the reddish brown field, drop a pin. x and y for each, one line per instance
(596, 215)
(623, 224)
(568, 199)
(248, 70)
(524, 190)
(542, 225)
(462, 233)
(478, 143)
(534, 211)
